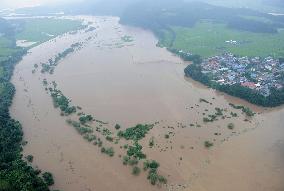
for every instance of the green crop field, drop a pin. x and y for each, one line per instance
(6, 48)
(43, 29)
(208, 39)
(36, 30)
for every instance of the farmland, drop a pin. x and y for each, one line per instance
(44, 29)
(209, 39)
(6, 48)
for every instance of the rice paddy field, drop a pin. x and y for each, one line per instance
(43, 29)
(207, 38)
(36, 30)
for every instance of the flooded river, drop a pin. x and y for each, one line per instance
(133, 81)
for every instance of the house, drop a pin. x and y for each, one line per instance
(250, 85)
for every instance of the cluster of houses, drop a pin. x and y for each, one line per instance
(260, 74)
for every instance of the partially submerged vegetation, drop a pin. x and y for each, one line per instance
(84, 126)
(231, 126)
(135, 133)
(127, 38)
(62, 102)
(135, 153)
(244, 109)
(208, 144)
(94, 131)
(52, 63)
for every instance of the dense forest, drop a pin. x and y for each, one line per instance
(15, 172)
(276, 97)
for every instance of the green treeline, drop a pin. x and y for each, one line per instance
(185, 56)
(50, 66)
(15, 173)
(62, 102)
(276, 97)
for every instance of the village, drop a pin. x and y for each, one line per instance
(260, 74)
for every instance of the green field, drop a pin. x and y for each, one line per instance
(6, 48)
(36, 30)
(208, 39)
(43, 29)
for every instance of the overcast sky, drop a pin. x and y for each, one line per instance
(28, 3)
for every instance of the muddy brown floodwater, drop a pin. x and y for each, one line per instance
(130, 82)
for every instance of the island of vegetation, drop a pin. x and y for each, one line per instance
(95, 131)
(52, 63)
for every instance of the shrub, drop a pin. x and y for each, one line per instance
(136, 133)
(120, 133)
(90, 137)
(30, 158)
(231, 126)
(151, 165)
(125, 160)
(117, 126)
(153, 177)
(136, 151)
(133, 161)
(48, 178)
(151, 142)
(234, 114)
(108, 138)
(162, 179)
(86, 118)
(84, 130)
(136, 170)
(208, 144)
(103, 150)
(109, 151)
